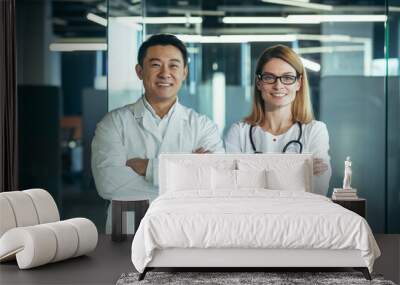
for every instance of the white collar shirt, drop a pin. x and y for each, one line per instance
(160, 123)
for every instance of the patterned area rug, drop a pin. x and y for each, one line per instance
(230, 278)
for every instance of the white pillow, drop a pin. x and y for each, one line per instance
(183, 177)
(293, 179)
(223, 179)
(251, 179)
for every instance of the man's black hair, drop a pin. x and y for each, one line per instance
(163, 40)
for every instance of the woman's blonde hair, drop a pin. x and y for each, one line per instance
(301, 106)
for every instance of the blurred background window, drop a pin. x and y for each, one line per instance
(76, 62)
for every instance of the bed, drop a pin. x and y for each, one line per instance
(245, 210)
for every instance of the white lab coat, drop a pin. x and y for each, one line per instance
(130, 132)
(315, 140)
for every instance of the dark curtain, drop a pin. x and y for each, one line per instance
(8, 98)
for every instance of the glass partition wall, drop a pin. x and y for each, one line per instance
(350, 50)
(392, 119)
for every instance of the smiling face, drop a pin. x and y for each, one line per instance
(277, 95)
(163, 72)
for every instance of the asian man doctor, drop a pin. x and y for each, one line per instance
(128, 140)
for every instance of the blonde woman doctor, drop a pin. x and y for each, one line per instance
(281, 119)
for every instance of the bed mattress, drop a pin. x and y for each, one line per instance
(250, 219)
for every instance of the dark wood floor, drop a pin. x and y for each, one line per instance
(389, 262)
(103, 266)
(110, 260)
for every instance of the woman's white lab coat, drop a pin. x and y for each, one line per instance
(130, 132)
(315, 140)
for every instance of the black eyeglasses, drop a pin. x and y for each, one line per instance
(271, 79)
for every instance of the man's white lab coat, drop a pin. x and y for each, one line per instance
(131, 132)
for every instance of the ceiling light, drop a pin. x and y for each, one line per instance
(59, 21)
(195, 12)
(257, 38)
(394, 8)
(324, 38)
(303, 4)
(337, 18)
(260, 20)
(269, 38)
(77, 46)
(165, 20)
(236, 38)
(304, 19)
(183, 3)
(330, 49)
(97, 19)
(192, 50)
(126, 21)
(311, 64)
(102, 8)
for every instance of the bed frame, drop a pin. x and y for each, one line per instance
(242, 259)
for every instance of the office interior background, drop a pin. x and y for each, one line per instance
(76, 62)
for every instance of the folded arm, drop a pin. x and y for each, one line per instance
(109, 163)
(209, 138)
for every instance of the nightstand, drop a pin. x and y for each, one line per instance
(358, 206)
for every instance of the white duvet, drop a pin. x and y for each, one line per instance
(253, 218)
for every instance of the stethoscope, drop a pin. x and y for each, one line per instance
(295, 142)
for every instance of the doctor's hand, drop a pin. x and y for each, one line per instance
(201, 150)
(319, 166)
(138, 165)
